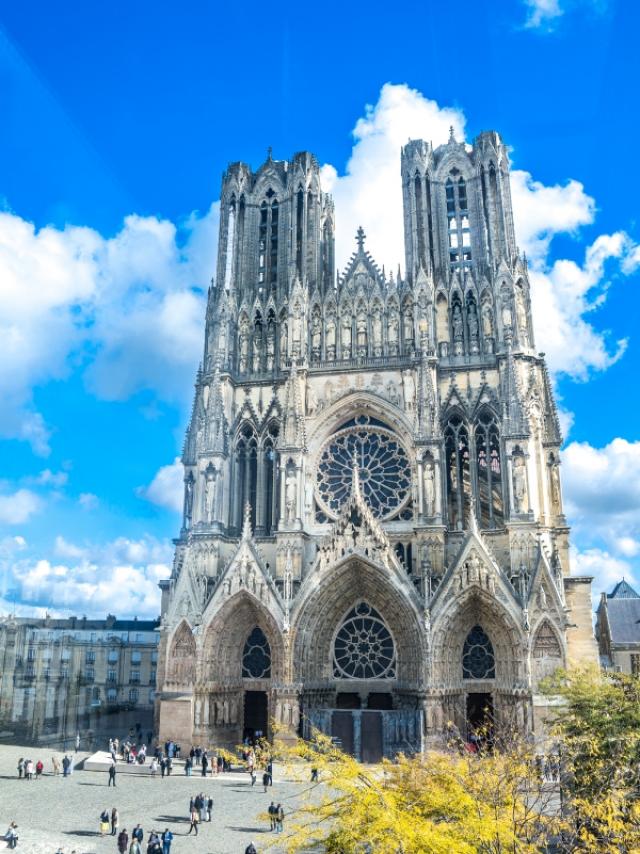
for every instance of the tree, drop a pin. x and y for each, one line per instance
(448, 801)
(597, 726)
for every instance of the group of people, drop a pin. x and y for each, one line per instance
(276, 817)
(28, 770)
(157, 843)
(200, 809)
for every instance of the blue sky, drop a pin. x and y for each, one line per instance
(117, 124)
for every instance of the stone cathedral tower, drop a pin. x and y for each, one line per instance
(373, 540)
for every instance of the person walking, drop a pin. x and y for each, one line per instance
(167, 839)
(265, 781)
(138, 834)
(115, 821)
(65, 766)
(193, 818)
(153, 845)
(135, 847)
(123, 841)
(29, 769)
(104, 822)
(272, 816)
(314, 774)
(112, 774)
(56, 766)
(163, 767)
(252, 772)
(203, 807)
(279, 819)
(39, 769)
(209, 808)
(205, 763)
(188, 763)
(12, 835)
(77, 742)
(20, 768)
(270, 771)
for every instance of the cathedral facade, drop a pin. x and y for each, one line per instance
(373, 539)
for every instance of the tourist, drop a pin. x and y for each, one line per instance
(314, 774)
(39, 769)
(77, 742)
(279, 818)
(56, 765)
(163, 767)
(11, 836)
(205, 763)
(253, 775)
(135, 847)
(270, 771)
(137, 833)
(187, 766)
(112, 774)
(209, 808)
(250, 849)
(20, 768)
(153, 845)
(29, 769)
(272, 815)
(65, 766)
(104, 822)
(220, 763)
(193, 818)
(153, 768)
(167, 839)
(72, 763)
(202, 807)
(115, 821)
(265, 781)
(123, 841)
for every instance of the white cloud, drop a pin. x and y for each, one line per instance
(606, 570)
(19, 506)
(602, 500)
(166, 488)
(543, 13)
(88, 501)
(55, 479)
(129, 308)
(121, 576)
(565, 294)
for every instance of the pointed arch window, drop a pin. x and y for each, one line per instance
(231, 234)
(456, 437)
(268, 242)
(256, 656)
(478, 660)
(246, 471)
(299, 228)
(458, 220)
(420, 218)
(270, 480)
(490, 509)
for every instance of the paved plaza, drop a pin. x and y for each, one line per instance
(62, 813)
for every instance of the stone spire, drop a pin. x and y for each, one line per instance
(515, 422)
(294, 433)
(216, 422)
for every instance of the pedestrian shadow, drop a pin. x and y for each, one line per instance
(96, 784)
(176, 818)
(84, 833)
(249, 829)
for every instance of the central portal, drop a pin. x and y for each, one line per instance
(479, 713)
(256, 715)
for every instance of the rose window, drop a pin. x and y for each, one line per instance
(363, 648)
(478, 661)
(383, 467)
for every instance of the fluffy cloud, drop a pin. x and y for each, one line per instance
(602, 494)
(166, 488)
(543, 13)
(129, 308)
(565, 293)
(121, 577)
(17, 507)
(606, 570)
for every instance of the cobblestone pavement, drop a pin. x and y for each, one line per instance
(57, 812)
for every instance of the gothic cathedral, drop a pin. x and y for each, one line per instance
(373, 540)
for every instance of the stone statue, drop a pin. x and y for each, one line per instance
(409, 389)
(456, 322)
(244, 344)
(554, 476)
(507, 317)
(393, 331)
(519, 476)
(408, 326)
(330, 336)
(312, 400)
(345, 334)
(284, 331)
(209, 493)
(361, 325)
(376, 329)
(271, 347)
(473, 321)
(521, 317)
(487, 320)
(290, 495)
(188, 500)
(297, 326)
(429, 483)
(316, 334)
(542, 598)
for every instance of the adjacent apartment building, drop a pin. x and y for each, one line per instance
(61, 677)
(618, 629)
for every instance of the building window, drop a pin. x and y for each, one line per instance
(89, 674)
(90, 656)
(635, 663)
(152, 677)
(31, 654)
(152, 696)
(136, 657)
(256, 657)
(29, 671)
(113, 656)
(458, 220)
(456, 439)
(112, 676)
(489, 471)
(154, 656)
(133, 695)
(65, 655)
(478, 661)
(364, 648)
(135, 676)
(112, 694)
(46, 673)
(64, 672)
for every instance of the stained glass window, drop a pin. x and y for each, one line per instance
(256, 658)
(478, 661)
(364, 648)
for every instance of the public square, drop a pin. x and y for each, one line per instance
(57, 813)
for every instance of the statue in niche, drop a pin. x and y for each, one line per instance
(394, 328)
(316, 334)
(188, 500)
(408, 327)
(297, 327)
(487, 320)
(330, 336)
(453, 473)
(209, 493)
(312, 400)
(554, 477)
(244, 344)
(222, 337)
(345, 335)
(290, 495)
(257, 348)
(456, 322)
(472, 316)
(429, 484)
(409, 389)
(542, 598)
(284, 331)
(361, 330)
(376, 330)
(521, 318)
(519, 477)
(271, 346)
(507, 316)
